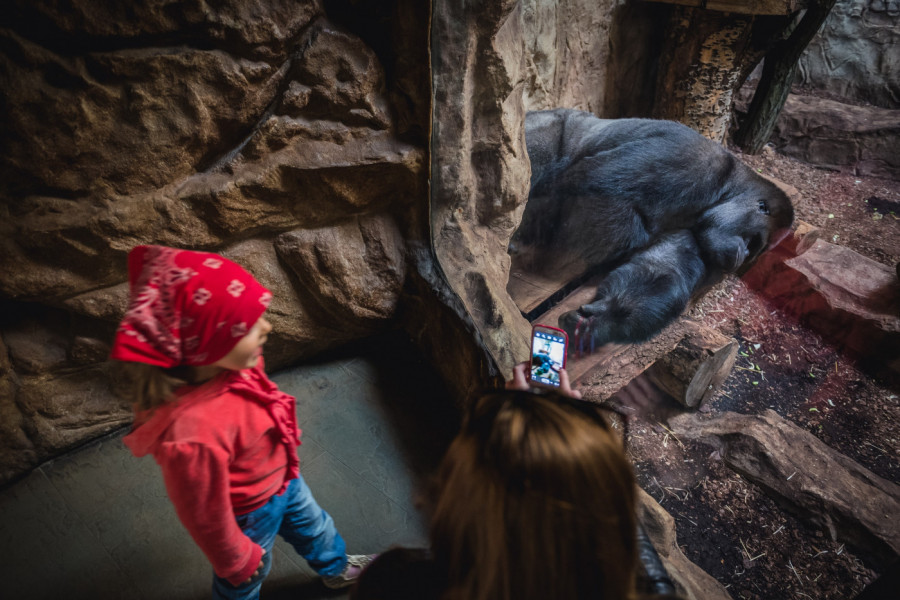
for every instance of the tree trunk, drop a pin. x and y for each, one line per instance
(778, 74)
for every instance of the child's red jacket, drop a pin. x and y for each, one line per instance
(225, 447)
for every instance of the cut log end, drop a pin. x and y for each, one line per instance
(695, 368)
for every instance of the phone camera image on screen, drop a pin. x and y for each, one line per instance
(547, 356)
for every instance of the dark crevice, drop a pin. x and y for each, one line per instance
(224, 161)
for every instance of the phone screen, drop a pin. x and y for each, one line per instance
(548, 353)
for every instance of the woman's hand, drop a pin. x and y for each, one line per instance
(519, 382)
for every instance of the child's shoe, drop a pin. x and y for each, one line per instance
(356, 563)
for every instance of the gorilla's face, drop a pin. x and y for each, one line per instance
(740, 229)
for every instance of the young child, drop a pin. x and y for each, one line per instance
(222, 432)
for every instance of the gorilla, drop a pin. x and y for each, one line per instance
(662, 210)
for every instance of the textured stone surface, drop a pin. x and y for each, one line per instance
(207, 127)
(354, 271)
(296, 332)
(567, 53)
(827, 133)
(64, 409)
(16, 449)
(36, 344)
(855, 55)
(132, 97)
(480, 170)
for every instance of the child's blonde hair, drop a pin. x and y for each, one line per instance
(148, 386)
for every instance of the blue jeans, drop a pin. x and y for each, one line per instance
(295, 516)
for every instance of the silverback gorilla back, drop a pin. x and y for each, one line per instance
(662, 209)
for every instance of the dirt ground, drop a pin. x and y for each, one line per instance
(725, 524)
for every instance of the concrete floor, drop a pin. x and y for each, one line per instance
(97, 524)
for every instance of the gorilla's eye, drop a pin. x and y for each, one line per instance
(764, 207)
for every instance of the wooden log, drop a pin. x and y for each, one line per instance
(701, 357)
(695, 368)
(703, 57)
(601, 374)
(691, 582)
(802, 473)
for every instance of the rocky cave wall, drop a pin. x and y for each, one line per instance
(567, 53)
(289, 136)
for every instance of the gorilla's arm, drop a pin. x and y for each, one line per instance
(640, 297)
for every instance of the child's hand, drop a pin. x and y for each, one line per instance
(519, 382)
(258, 569)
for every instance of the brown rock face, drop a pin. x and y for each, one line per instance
(479, 165)
(854, 55)
(354, 272)
(289, 136)
(567, 53)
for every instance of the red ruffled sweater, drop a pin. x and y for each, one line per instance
(225, 447)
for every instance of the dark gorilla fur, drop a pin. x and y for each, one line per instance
(666, 209)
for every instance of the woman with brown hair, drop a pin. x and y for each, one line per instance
(536, 501)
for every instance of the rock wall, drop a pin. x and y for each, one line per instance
(855, 54)
(840, 136)
(567, 53)
(480, 169)
(289, 136)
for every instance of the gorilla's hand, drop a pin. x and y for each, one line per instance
(640, 297)
(727, 253)
(739, 228)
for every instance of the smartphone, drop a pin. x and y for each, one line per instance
(548, 355)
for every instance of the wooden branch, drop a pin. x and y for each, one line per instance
(778, 73)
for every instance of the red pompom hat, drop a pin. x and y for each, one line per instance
(187, 308)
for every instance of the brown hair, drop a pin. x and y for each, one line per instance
(149, 386)
(537, 501)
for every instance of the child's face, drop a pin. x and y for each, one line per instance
(246, 353)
